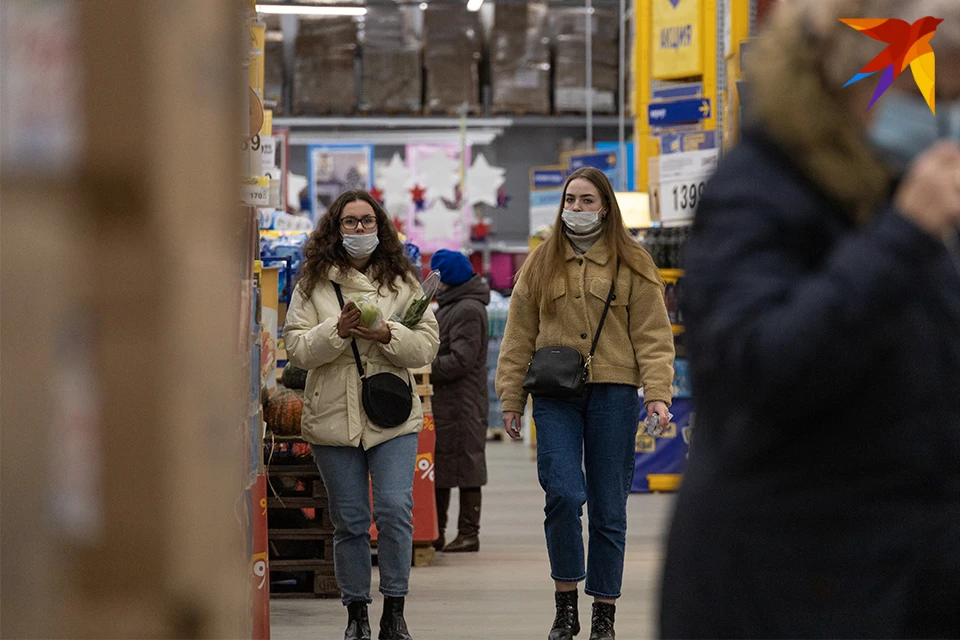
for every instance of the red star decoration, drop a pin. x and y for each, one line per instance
(399, 224)
(418, 193)
(503, 199)
(377, 195)
(479, 231)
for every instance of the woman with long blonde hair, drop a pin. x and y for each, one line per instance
(589, 274)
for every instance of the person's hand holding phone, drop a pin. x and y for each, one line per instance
(349, 320)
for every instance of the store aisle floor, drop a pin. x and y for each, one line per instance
(503, 592)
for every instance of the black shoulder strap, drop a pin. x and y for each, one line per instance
(353, 341)
(603, 318)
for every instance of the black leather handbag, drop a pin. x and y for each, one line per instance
(387, 399)
(561, 372)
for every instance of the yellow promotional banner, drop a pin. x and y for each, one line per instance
(677, 39)
(256, 70)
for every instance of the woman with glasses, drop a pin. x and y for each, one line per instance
(356, 248)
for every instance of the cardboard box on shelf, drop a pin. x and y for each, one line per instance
(520, 64)
(451, 58)
(274, 70)
(568, 27)
(325, 71)
(391, 64)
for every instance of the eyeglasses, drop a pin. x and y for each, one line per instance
(368, 222)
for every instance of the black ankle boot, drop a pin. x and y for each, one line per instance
(601, 628)
(567, 623)
(468, 536)
(392, 624)
(358, 623)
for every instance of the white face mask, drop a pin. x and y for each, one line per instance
(581, 222)
(361, 247)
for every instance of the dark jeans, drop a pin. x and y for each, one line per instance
(601, 440)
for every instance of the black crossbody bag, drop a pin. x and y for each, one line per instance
(387, 400)
(561, 372)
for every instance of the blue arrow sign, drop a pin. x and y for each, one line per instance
(678, 112)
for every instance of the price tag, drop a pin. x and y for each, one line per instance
(256, 191)
(683, 177)
(268, 147)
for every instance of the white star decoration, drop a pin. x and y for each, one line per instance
(439, 223)
(483, 181)
(439, 175)
(394, 180)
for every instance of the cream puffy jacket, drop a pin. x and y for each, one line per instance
(333, 410)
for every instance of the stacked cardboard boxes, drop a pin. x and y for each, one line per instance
(391, 65)
(274, 71)
(570, 83)
(324, 80)
(520, 58)
(452, 52)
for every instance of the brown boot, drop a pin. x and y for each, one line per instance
(443, 505)
(468, 536)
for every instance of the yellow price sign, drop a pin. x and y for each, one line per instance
(677, 40)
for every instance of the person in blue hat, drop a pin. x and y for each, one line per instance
(460, 401)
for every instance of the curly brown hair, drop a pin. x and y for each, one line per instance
(325, 249)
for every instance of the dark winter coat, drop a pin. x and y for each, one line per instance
(822, 495)
(459, 378)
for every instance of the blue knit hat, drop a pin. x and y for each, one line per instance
(455, 268)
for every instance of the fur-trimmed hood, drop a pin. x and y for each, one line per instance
(790, 103)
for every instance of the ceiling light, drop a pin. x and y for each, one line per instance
(474, 5)
(305, 10)
(423, 6)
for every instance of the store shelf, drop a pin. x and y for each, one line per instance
(421, 122)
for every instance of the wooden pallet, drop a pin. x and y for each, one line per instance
(519, 113)
(391, 113)
(424, 388)
(424, 554)
(452, 112)
(305, 581)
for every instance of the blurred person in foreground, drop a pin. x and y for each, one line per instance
(461, 398)
(355, 251)
(822, 497)
(585, 445)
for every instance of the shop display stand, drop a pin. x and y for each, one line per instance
(300, 531)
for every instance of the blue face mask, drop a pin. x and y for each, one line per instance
(903, 128)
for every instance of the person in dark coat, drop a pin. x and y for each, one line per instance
(460, 400)
(822, 298)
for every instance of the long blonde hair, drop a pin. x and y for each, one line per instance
(548, 260)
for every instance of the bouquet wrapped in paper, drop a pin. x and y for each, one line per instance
(418, 305)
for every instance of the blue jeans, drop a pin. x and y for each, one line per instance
(602, 440)
(346, 473)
